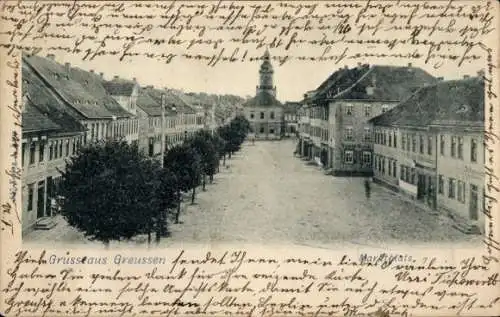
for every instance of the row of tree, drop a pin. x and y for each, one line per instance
(113, 191)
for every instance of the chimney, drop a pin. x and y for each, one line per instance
(134, 79)
(346, 67)
(440, 78)
(480, 73)
(91, 71)
(359, 64)
(67, 67)
(410, 65)
(115, 77)
(51, 56)
(101, 74)
(466, 76)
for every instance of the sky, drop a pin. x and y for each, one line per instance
(292, 79)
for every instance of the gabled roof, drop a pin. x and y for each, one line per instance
(119, 87)
(33, 120)
(59, 79)
(448, 102)
(95, 86)
(47, 103)
(376, 83)
(263, 99)
(149, 100)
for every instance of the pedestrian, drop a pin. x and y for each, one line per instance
(367, 188)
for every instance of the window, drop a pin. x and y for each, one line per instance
(367, 135)
(349, 110)
(384, 137)
(394, 168)
(441, 144)
(272, 115)
(402, 172)
(389, 170)
(252, 116)
(271, 131)
(453, 147)
(395, 143)
(92, 132)
(383, 165)
(32, 153)
(441, 184)
(368, 110)
(348, 157)
(348, 134)
(413, 143)
(367, 158)
(390, 139)
(67, 148)
(41, 152)
(461, 148)
(261, 129)
(429, 145)
(461, 191)
(421, 143)
(451, 188)
(60, 148)
(74, 147)
(385, 108)
(473, 150)
(31, 192)
(262, 115)
(413, 176)
(403, 142)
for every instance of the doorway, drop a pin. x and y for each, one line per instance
(40, 207)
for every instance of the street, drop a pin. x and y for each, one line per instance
(267, 196)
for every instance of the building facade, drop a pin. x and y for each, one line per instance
(264, 111)
(341, 138)
(430, 148)
(50, 135)
(291, 118)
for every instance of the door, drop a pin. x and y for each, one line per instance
(420, 186)
(473, 205)
(40, 207)
(50, 195)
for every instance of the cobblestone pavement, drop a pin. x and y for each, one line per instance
(267, 196)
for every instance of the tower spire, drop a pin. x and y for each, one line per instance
(266, 75)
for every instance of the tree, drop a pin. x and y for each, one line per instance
(110, 191)
(184, 162)
(204, 144)
(224, 134)
(167, 195)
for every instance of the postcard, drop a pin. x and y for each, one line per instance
(249, 158)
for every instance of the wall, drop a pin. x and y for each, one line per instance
(41, 169)
(357, 119)
(263, 127)
(464, 170)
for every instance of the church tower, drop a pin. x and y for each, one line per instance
(266, 76)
